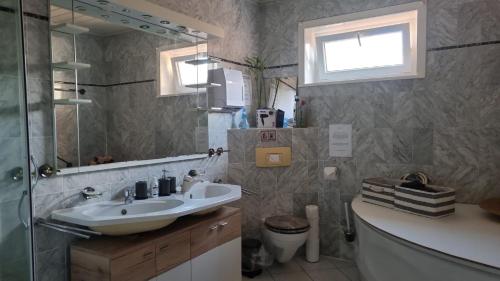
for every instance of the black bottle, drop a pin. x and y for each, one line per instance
(164, 185)
(141, 190)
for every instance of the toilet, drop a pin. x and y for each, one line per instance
(283, 235)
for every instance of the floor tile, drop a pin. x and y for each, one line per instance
(352, 273)
(289, 267)
(292, 276)
(323, 263)
(340, 263)
(327, 275)
(265, 276)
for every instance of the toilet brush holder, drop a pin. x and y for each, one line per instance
(349, 233)
(349, 236)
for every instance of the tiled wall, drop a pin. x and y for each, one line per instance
(287, 190)
(51, 247)
(447, 124)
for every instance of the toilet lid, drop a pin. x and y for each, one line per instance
(287, 224)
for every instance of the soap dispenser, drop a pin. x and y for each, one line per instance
(164, 185)
(154, 188)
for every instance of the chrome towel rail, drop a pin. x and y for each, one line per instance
(248, 192)
(79, 232)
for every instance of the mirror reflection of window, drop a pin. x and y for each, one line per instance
(178, 77)
(282, 96)
(190, 74)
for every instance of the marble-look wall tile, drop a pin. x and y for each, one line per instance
(9, 106)
(477, 21)
(402, 144)
(423, 141)
(36, 7)
(37, 50)
(51, 265)
(442, 22)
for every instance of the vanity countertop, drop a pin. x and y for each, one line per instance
(471, 233)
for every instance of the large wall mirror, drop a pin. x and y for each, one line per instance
(127, 86)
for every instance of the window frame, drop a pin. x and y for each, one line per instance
(175, 65)
(363, 73)
(311, 55)
(166, 64)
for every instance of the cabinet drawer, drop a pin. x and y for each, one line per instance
(127, 261)
(172, 251)
(209, 236)
(229, 229)
(139, 272)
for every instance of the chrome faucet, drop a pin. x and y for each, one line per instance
(129, 197)
(90, 193)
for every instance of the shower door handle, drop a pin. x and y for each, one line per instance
(19, 210)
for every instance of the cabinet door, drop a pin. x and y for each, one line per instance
(179, 273)
(219, 264)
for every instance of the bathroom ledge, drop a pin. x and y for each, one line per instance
(128, 164)
(470, 234)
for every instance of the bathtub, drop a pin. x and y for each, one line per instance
(396, 246)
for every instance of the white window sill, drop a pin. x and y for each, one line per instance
(325, 83)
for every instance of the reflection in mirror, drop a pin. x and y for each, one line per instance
(282, 95)
(123, 89)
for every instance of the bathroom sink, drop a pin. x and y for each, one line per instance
(203, 191)
(116, 218)
(136, 208)
(206, 190)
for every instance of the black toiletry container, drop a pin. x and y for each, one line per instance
(164, 187)
(173, 185)
(141, 190)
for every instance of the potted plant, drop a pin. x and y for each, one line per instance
(257, 67)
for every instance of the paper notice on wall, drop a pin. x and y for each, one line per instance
(341, 140)
(247, 84)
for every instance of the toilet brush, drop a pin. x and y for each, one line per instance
(348, 233)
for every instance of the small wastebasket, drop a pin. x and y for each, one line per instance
(250, 258)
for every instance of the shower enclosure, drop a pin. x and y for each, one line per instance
(15, 229)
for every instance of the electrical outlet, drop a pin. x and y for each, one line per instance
(268, 136)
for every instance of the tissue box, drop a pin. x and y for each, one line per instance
(379, 191)
(428, 204)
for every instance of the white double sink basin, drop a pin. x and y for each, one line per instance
(117, 218)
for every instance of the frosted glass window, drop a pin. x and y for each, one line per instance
(373, 45)
(361, 52)
(190, 74)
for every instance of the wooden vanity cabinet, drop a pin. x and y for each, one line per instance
(190, 245)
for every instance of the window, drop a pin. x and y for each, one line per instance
(176, 76)
(379, 44)
(190, 74)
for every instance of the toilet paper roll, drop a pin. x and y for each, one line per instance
(312, 244)
(312, 212)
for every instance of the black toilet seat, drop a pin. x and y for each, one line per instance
(287, 224)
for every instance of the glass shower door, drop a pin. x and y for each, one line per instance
(15, 236)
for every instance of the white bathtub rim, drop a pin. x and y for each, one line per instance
(430, 251)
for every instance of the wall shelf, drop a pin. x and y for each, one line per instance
(218, 110)
(201, 61)
(70, 65)
(72, 101)
(69, 28)
(203, 85)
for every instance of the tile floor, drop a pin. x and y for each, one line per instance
(327, 269)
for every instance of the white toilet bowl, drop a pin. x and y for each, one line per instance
(283, 235)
